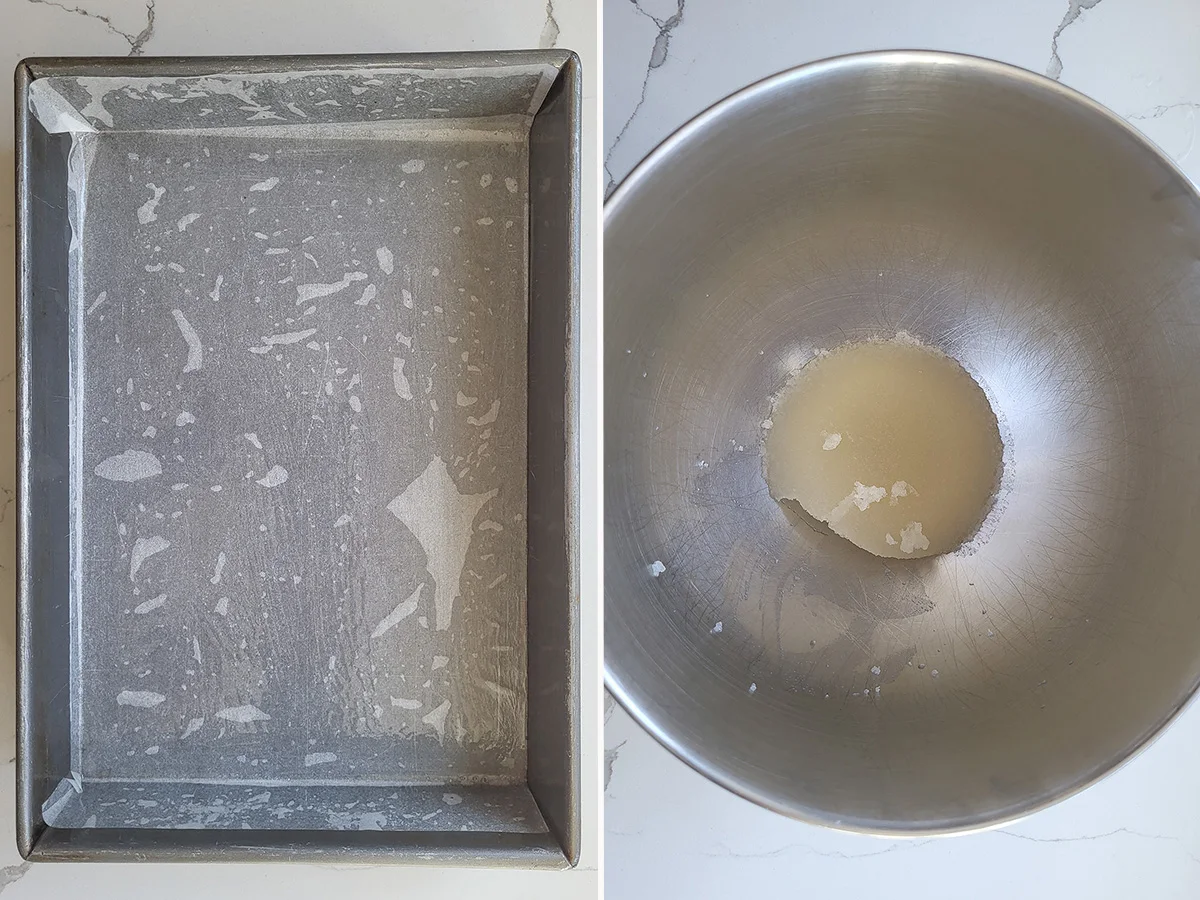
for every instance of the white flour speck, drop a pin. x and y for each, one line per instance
(912, 539)
(657, 568)
(222, 607)
(718, 628)
(831, 441)
(253, 439)
(100, 298)
(386, 260)
(218, 569)
(316, 759)
(192, 727)
(405, 703)
(368, 295)
(187, 220)
(184, 418)
(862, 496)
(267, 185)
(413, 166)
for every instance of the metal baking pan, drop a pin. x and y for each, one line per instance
(297, 458)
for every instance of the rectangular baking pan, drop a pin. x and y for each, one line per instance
(297, 425)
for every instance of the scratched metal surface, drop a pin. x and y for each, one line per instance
(298, 386)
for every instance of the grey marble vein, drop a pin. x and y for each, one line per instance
(658, 56)
(137, 42)
(1087, 837)
(1075, 8)
(7, 497)
(610, 758)
(723, 851)
(550, 30)
(1072, 839)
(11, 874)
(1159, 111)
(610, 753)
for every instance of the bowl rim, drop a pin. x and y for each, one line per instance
(693, 756)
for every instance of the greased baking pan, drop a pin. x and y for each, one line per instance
(297, 458)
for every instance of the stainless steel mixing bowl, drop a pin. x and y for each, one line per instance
(1052, 250)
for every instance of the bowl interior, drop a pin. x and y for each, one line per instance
(1044, 245)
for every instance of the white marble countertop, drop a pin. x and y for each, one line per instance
(200, 27)
(668, 831)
